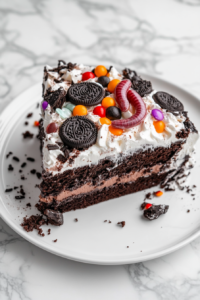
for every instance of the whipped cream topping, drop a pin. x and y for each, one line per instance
(143, 136)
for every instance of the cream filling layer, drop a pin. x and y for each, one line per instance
(88, 187)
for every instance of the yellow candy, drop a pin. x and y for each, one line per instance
(112, 85)
(80, 110)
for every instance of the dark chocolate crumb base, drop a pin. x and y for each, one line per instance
(98, 196)
(34, 222)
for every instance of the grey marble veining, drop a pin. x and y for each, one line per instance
(157, 37)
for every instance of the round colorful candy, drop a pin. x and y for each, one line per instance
(112, 85)
(52, 127)
(64, 113)
(44, 105)
(104, 80)
(80, 110)
(70, 106)
(100, 71)
(159, 126)
(157, 114)
(36, 123)
(115, 131)
(105, 121)
(87, 75)
(99, 111)
(107, 102)
(113, 113)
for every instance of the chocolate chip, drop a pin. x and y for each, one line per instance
(78, 132)
(168, 101)
(31, 159)
(54, 217)
(155, 211)
(85, 93)
(122, 223)
(16, 158)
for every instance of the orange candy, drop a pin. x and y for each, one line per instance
(100, 71)
(159, 126)
(105, 121)
(158, 193)
(80, 110)
(115, 131)
(107, 102)
(36, 123)
(112, 85)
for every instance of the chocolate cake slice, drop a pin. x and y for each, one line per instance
(105, 134)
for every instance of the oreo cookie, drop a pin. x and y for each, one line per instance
(78, 132)
(168, 101)
(85, 93)
(56, 98)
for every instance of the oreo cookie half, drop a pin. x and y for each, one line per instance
(78, 132)
(168, 101)
(85, 93)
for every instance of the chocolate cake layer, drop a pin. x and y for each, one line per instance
(106, 169)
(114, 191)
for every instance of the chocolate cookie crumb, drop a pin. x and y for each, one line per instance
(27, 135)
(23, 178)
(105, 221)
(10, 168)
(122, 223)
(19, 197)
(20, 171)
(188, 210)
(49, 231)
(76, 220)
(28, 204)
(55, 241)
(34, 222)
(16, 158)
(127, 246)
(8, 190)
(23, 165)
(31, 159)
(29, 115)
(109, 222)
(33, 171)
(9, 153)
(26, 123)
(39, 175)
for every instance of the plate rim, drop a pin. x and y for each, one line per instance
(102, 261)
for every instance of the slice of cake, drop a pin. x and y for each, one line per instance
(105, 134)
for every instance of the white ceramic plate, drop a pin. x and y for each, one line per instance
(91, 240)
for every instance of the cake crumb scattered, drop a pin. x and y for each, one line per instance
(27, 135)
(55, 241)
(76, 220)
(49, 231)
(122, 223)
(29, 115)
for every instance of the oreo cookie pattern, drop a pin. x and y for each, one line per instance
(142, 87)
(78, 132)
(85, 93)
(168, 101)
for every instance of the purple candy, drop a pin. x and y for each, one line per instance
(157, 114)
(44, 105)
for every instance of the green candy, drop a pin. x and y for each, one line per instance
(70, 106)
(64, 113)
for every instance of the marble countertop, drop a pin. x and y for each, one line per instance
(157, 37)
